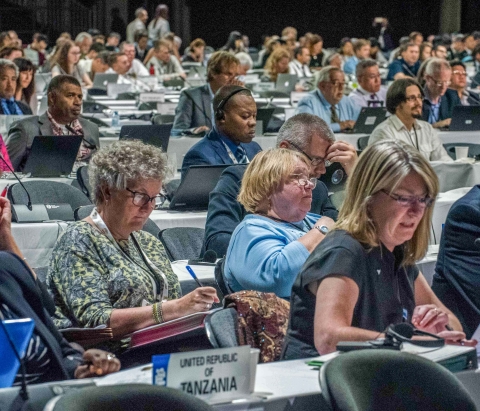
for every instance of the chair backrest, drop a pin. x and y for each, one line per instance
(163, 118)
(386, 379)
(220, 279)
(262, 321)
(473, 149)
(47, 192)
(362, 142)
(222, 328)
(82, 178)
(124, 397)
(183, 243)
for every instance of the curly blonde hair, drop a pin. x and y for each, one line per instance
(273, 59)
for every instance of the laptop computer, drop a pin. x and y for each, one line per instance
(368, 119)
(465, 118)
(335, 178)
(52, 156)
(157, 135)
(286, 83)
(194, 190)
(102, 79)
(264, 115)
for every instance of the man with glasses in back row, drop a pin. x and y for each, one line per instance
(459, 84)
(404, 102)
(328, 101)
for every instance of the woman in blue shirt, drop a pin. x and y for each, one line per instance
(269, 247)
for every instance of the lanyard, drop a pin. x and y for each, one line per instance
(231, 155)
(102, 227)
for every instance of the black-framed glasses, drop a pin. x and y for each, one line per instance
(412, 99)
(315, 161)
(410, 201)
(141, 199)
(303, 181)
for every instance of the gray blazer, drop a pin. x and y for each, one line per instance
(21, 134)
(194, 109)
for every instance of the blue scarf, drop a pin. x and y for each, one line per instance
(9, 106)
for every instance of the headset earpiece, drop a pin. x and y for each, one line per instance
(219, 113)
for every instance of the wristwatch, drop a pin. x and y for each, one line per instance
(322, 228)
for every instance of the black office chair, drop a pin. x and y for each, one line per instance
(222, 328)
(379, 380)
(127, 397)
(82, 178)
(47, 192)
(473, 149)
(83, 212)
(96, 91)
(182, 243)
(220, 279)
(150, 105)
(163, 118)
(362, 142)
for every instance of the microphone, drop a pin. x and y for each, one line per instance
(29, 203)
(209, 258)
(86, 143)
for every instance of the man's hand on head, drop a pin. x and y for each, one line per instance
(343, 153)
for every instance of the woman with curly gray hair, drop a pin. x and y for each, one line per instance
(104, 269)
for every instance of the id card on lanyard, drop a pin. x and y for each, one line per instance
(231, 155)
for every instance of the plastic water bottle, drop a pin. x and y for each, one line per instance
(115, 119)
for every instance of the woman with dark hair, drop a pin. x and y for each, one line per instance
(65, 61)
(26, 83)
(346, 48)
(234, 43)
(315, 45)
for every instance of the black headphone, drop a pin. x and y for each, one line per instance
(403, 332)
(219, 113)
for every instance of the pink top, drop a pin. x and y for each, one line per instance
(4, 152)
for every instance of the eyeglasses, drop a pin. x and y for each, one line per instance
(440, 83)
(410, 201)
(314, 162)
(142, 199)
(372, 76)
(304, 181)
(460, 73)
(412, 99)
(337, 84)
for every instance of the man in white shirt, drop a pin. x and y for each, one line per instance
(299, 65)
(369, 92)
(119, 64)
(138, 24)
(404, 101)
(86, 63)
(135, 67)
(166, 66)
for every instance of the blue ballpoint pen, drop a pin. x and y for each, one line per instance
(194, 276)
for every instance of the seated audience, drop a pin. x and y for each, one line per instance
(416, 37)
(370, 92)
(300, 62)
(86, 63)
(362, 277)
(25, 91)
(270, 245)
(234, 43)
(159, 26)
(404, 102)
(61, 118)
(99, 64)
(113, 40)
(407, 65)
(458, 82)
(84, 42)
(376, 52)
(141, 45)
(457, 48)
(9, 74)
(328, 101)
(314, 44)
(334, 59)
(193, 114)
(245, 63)
(439, 99)
(5, 39)
(166, 66)
(425, 51)
(38, 47)
(439, 50)
(50, 357)
(456, 274)
(230, 140)
(277, 63)
(346, 49)
(271, 45)
(65, 62)
(196, 52)
(396, 53)
(305, 133)
(11, 53)
(105, 269)
(135, 67)
(137, 25)
(361, 49)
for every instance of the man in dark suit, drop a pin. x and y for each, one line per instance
(61, 118)
(8, 85)
(193, 114)
(456, 281)
(230, 141)
(439, 99)
(304, 132)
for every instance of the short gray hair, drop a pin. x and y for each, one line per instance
(324, 74)
(435, 64)
(139, 11)
(244, 59)
(363, 65)
(8, 64)
(300, 129)
(81, 36)
(117, 165)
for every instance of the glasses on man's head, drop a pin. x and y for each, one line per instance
(303, 181)
(410, 201)
(141, 199)
(460, 73)
(412, 99)
(314, 161)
